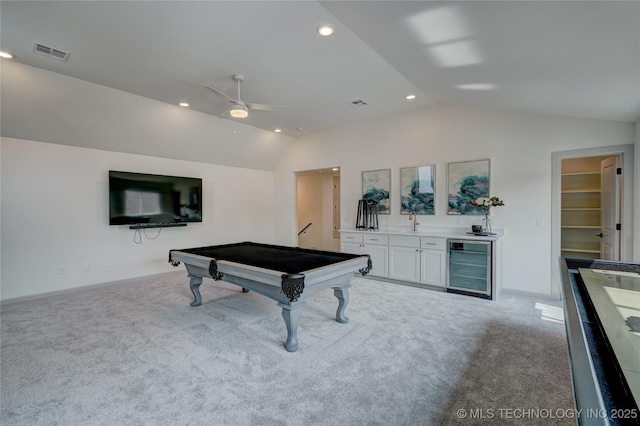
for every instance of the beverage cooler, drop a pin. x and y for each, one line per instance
(470, 268)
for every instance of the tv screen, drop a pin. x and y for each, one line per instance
(139, 198)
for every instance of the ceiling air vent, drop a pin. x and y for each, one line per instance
(357, 104)
(50, 52)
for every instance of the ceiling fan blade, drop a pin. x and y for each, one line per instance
(263, 107)
(214, 90)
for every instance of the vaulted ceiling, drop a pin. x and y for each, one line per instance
(569, 58)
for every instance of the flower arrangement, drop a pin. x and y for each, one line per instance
(485, 204)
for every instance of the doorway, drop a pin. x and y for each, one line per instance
(578, 213)
(318, 208)
(590, 207)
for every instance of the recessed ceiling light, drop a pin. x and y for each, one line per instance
(184, 104)
(277, 130)
(325, 30)
(410, 97)
(477, 86)
(5, 55)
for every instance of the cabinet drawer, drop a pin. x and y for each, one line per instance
(376, 239)
(433, 243)
(351, 237)
(404, 241)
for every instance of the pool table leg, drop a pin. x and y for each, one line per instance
(291, 315)
(194, 284)
(342, 294)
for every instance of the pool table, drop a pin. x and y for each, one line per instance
(288, 275)
(602, 320)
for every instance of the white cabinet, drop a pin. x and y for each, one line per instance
(376, 246)
(433, 261)
(351, 242)
(379, 256)
(418, 259)
(404, 263)
(433, 266)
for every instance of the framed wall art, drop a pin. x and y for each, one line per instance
(417, 190)
(376, 186)
(467, 181)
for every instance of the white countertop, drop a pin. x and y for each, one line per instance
(434, 231)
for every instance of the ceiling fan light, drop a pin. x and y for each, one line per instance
(239, 111)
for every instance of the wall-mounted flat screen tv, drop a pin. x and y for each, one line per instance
(139, 198)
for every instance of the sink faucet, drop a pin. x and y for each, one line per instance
(414, 218)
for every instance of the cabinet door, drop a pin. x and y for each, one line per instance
(352, 248)
(379, 255)
(433, 267)
(404, 263)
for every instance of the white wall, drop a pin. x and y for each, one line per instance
(519, 146)
(45, 226)
(55, 213)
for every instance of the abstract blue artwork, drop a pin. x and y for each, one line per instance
(376, 186)
(417, 190)
(466, 182)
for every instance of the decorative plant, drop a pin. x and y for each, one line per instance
(485, 204)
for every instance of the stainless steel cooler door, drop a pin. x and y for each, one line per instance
(469, 266)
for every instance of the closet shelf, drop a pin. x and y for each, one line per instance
(578, 191)
(580, 207)
(579, 250)
(581, 173)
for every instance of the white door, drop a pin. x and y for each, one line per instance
(610, 209)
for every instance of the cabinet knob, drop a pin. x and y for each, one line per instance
(600, 235)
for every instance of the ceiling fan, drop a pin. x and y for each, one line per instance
(239, 108)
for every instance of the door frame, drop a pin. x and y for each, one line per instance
(333, 171)
(626, 235)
